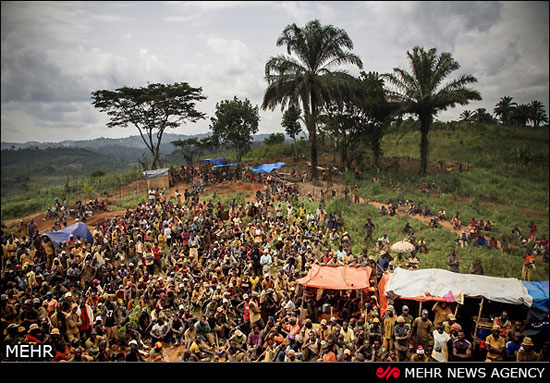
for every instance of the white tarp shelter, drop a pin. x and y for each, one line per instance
(444, 283)
(156, 173)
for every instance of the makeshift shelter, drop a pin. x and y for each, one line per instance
(337, 277)
(217, 161)
(267, 168)
(158, 178)
(446, 286)
(539, 292)
(78, 229)
(225, 165)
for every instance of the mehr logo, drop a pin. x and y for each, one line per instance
(29, 351)
(389, 372)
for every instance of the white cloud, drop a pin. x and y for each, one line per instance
(54, 54)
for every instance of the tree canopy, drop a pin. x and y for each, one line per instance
(309, 74)
(234, 124)
(151, 109)
(421, 92)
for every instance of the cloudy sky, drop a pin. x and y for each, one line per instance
(54, 54)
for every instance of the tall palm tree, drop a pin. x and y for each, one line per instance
(467, 116)
(537, 114)
(504, 109)
(420, 92)
(520, 114)
(307, 76)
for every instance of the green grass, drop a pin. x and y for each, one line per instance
(439, 241)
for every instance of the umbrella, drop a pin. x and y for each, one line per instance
(402, 247)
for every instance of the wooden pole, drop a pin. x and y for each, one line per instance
(478, 318)
(456, 308)
(420, 309)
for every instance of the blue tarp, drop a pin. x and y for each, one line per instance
(62, 235)
(218, 161)
(219, 166)
(539, 292)
(267, 168)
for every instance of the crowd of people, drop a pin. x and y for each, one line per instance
(194, 280)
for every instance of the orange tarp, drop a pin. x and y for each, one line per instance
(337, 277)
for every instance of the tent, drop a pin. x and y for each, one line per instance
(62, 235)
(157, 178)
(539, 292)
(218, 161)
(443, 285)
(221, 166)
(267, 168)
(337, 277)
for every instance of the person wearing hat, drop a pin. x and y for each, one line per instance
(388, 323)
(526, 352)
(11, 338)
(374, 330)
(401, 333)
(133, 354)
(496, 345)
(420, 355)
(405, 313)
(157, 353)
(34, 335)
(451, 320)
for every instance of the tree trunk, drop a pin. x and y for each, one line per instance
(313, 140)
(295, 148)
(425, 122)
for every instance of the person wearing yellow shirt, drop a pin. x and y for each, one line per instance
(442, 311)
(496, 345)
(388, 325)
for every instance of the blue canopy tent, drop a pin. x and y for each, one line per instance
(62, 235)
(218, 161)
(267, 168)
(221, 166)
(539, 292)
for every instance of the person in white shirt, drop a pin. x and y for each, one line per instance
(440, 352)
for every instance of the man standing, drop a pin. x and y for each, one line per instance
(453, 262)
(401, 332)
(422, 330)
(389, 323)
(440, 352)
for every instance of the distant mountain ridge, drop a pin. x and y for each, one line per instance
(98, 143)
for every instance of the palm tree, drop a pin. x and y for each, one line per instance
(419, 92)
(504, 109)
(467, 116)
(538, 113)
(306, 76)
(520, 114)
(481, 115)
